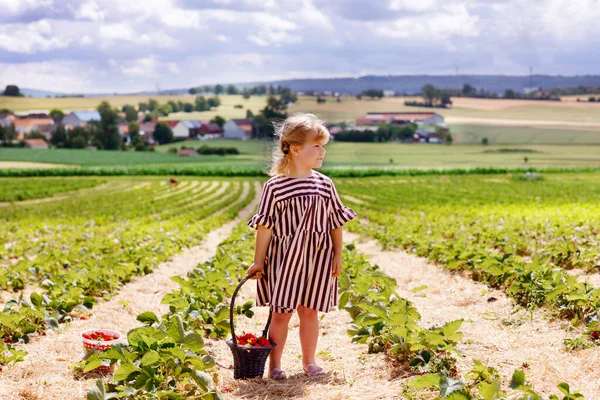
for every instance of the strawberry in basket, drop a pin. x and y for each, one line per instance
(250, 340)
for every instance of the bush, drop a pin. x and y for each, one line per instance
(173, 150)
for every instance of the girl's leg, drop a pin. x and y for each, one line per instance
(278, 332)
(309, 333)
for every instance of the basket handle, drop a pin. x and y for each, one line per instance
(232, 307)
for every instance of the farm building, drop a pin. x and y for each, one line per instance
(36, 144)
(210, 131)
(185, 129)
(427, 136)
(6, 119)
(26, 125)
(240, 129)
(80, 118)
(400, 118)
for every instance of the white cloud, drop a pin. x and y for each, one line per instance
(453, 20)
(62, 76)
(142, 68)
(90, 10)
(29, 38)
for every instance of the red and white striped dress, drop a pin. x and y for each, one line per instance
(298, 265)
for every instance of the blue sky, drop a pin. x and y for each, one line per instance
(131, 45)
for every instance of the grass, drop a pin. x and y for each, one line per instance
(339, 155)
(473, 134)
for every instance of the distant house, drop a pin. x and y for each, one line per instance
(26, 125)
(36, 144)
(6, 119)
(187, 153)
(80, 118)
(400, 118)
(334, 130)
(427, 136)
(46, 130)
(184, 129)
(240, 129)
(210, 131)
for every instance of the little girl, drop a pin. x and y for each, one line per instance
(298, 254)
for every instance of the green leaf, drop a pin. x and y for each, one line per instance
(418, 289)
(449, 385)
(451, 327)
(36, 299)
(150, 358)
(97, 392)
(147, 317)
(518, 379)
(92, 365)
(564, 387)
(52, 323)
(124, 371)
(203, 379)
(193, 342)
(489, 391)
(425, 381)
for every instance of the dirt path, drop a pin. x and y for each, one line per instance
(26, 164)
(46, 374)
(492, 334)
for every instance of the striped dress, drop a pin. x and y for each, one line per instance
(298, 265)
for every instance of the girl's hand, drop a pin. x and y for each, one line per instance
(336, 266)
(258, 268)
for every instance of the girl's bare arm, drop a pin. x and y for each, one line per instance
(336, 236)
(263, 238)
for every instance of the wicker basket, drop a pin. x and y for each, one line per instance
(248, 362)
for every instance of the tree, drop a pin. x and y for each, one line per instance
(192, 91)
(143, 107)
(109, 125)
(218, 120)
(56, 114)
(218, 89)
(429, 93)
(9, 135)
(188, 107)
(509, 94)
(59, 136)
(134, 133)
(232, 90)
(275, 108)
(445, 99)
(246, 94)
(468, 89)
(130, 113)
(152, 105)
(287, 95)
(201, 104)
(162, 133)
(12, 90)
(373, 93)
(249, 114)
(78, 138)
(484, 141)
(214, 102)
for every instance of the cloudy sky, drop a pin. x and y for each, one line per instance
(131, 45)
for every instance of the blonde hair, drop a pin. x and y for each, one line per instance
(295, 130)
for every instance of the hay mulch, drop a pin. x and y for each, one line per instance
(495, 331)
(46, 372)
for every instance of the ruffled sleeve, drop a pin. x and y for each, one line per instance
(265, 215)
(339, 213)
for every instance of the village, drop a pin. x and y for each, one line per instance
(35, 129)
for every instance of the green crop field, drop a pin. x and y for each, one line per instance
(513, 232)
(257, 154)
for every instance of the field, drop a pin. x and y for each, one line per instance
(473, 284)
(256, 154)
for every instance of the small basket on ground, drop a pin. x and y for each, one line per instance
(248, 361)
(91, 345)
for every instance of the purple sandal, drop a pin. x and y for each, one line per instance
(313, 369)
(277, 374)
